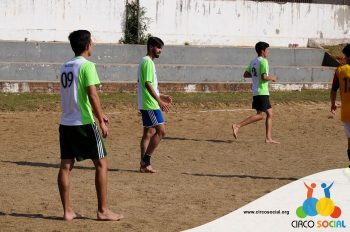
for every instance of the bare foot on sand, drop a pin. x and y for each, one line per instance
(69, 216)
(235, 130)
(271, 141)
(147, 169)
(108, 215)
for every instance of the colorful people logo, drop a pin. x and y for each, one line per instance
(323, 206)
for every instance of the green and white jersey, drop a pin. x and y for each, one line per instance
(256, 68)
(76, 75)
(147, 72)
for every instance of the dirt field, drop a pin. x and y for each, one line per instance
(204, 172)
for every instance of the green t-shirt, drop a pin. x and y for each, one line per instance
(256, 68)
(147, 73)
(76, 75)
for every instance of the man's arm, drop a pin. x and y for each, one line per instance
(264, 69)
(335, 87)
(162, 104)
(333, 98)
(97, 109)
(265, 77)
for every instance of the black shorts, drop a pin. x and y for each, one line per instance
(81, 142)
(261, 103)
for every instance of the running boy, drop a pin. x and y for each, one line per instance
(79, 137)
(150, 104)
(342, 80)
(258, 70)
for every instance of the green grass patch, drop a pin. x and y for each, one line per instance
(110, 101)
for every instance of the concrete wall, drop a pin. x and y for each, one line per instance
(38, 61)
(239, 23)
(53, 20)
(31, 52)
(198, 22)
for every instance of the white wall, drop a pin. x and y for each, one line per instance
(240, 23)
(198, 22)
(53, 20)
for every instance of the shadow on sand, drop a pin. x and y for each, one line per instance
(47, 165)
(242, 176)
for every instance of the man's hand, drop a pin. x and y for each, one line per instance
(104, 129)
(273, 78)
(164, 106)
(165, 102)
(105, 119)
(166, 98)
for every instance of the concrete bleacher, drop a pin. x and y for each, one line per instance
(117, 64)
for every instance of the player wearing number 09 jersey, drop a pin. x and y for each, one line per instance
(258, 70)
(79, 137)
(342, 80)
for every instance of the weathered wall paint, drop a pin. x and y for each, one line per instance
(197, 22)
(241, 23)
(53, 20)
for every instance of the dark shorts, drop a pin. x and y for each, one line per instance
(261, 103)
(81, 142)
(151, 118)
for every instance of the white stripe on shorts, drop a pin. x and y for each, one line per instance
(152, 117)
(98, 142)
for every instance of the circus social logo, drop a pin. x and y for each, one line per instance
(323, 206)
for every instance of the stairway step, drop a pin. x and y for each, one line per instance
(13, 51)
(186, 73)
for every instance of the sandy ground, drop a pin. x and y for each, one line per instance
(204, 172)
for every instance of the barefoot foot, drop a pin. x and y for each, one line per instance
(147, 169)
(271, 141)
(235, 130)
(108, 215)
(69, 216)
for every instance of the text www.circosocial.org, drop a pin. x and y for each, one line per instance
(272, 212)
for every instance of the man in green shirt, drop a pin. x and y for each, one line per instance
(79, 137)
(151, 103)
(258, 70)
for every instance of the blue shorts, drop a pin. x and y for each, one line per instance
(152, 118)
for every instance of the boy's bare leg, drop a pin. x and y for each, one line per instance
(269, 127)
(103, 213)
(153, 144)
(249, 120)
(156, 138)
(146, 138)
(63, 180)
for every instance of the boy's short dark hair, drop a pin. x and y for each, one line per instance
(79, 40)
(346, 50)
(261, 46)
(154, 42)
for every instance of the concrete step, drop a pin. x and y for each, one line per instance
(131, 54)
(166, 72)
